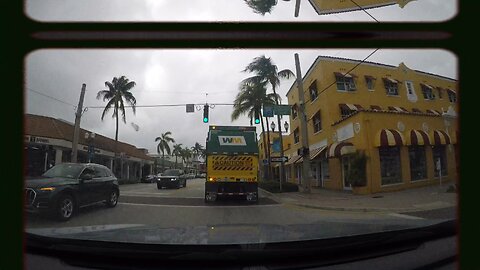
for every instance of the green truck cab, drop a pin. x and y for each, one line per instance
(232, 163)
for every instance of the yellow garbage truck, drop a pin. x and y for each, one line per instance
(232, 163)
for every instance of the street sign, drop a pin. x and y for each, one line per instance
(264, 161)
(268, 111)
(279, 159)
(282, 109)
(190, 108)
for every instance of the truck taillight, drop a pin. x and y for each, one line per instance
(210, 179)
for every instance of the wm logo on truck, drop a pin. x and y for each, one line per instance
(232, 140)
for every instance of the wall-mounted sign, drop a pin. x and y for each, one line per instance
(401, 126)
(345, 132)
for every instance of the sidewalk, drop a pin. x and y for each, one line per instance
(417, 199)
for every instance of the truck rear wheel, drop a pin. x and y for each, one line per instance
(210, 197)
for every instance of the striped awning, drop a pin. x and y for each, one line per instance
(375, 108)
(390, 80)
(389, 137)
(352, 107)
(426, 85)
(300, 160)
(451, 90)
(418, 137)
(292, 160)
(434, 112)
(341, 74)
(397, 109)
(317, 152)
(339, 149)
(440, 137)
(370, 77)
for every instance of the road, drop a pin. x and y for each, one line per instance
(144, 204)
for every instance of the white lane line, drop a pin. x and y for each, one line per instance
(144, 193)
(200, 206)
(404, 216)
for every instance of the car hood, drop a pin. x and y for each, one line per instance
(45, 181)
(226, 234)
(168, 176)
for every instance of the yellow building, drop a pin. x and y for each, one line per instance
(403, 121)
(336, 6)
(274, 151)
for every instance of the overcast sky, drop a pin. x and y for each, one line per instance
(223, 10)
(175, 77)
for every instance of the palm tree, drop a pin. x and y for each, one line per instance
(177, 149)
(251, 98)
(186, 153)
(118, 92)
(267, 72)
(197, 150)
(262, 6)
(163, 145)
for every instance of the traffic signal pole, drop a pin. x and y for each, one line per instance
(78, 116)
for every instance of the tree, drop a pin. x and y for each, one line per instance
(267, 72)
(262, 6)
(118, 92)
(197, 150)
(250, 99)
(186, 153)
(177, 149)
(163, 145)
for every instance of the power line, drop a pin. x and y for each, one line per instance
(364, 11)
(164, 105)
(45, 95)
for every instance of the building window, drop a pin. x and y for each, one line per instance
(427, 92)
(418, 162)
(390, 165)
(452, 96)
(391, 87)
(440, 92)
(370, 82)
(345, 110)
(345, 83)
(325, 169)
(409, 86)
(296, 136)
(294, 111)
(317, 122)
(439, 153)
(313, 91)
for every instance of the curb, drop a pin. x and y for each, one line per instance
(346, 209)
(273, 196)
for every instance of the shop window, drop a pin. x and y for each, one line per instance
(452, 96)
(345, 83)
(325, 170)
(391, 87)
(317, 122)
(418, 162)
(370, 82)
(440, 92)
(294, 111)
(390, 165)
(313, 91)
(440, 153)
(296, 136)
(427, 92)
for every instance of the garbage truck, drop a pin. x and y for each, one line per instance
(232, 163)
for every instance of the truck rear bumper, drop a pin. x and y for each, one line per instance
(214, 189)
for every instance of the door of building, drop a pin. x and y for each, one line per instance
(346, 168)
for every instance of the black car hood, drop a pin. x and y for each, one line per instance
(46, 181)
(226, 234)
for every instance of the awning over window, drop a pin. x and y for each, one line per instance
(339, 149)
(375, 107)
(440, 137)
(434, 112)
(426, 85)
(389, 137)
(318, 152)
(397, 109)
(418, 137)
(416, 110)
(370, 77)
(300, 160)
(341, 74)
(292, 160)
(451, 90)
(390, 80)
(352, 107)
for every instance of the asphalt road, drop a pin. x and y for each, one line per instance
(145, 204)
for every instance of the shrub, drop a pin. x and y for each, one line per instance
(274, 187)
(357, 171)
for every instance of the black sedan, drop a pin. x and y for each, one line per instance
(173, 178)
(66, 187)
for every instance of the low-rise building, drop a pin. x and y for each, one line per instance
(336, 6)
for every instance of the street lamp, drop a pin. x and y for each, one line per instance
(91, 148)
(285, 125)
(273, 126)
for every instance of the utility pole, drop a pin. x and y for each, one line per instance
(78, 116)
(303, 128)
(297, 7)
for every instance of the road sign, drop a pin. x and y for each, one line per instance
(282, 109)
(268, 111)
(190, 108)
(279, 159)
(264, 161)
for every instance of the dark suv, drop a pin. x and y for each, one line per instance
(172, 178)
(66, 187)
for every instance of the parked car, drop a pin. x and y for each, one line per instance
(151, 178)
(66, 187)
(172, 178)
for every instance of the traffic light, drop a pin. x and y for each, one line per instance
(257, 116)
(205, 113)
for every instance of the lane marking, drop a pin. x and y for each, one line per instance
(200, 206)
(404, 216)
(144, 193)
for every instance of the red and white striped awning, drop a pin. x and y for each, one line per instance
(440, 137)
(389, 137)
(418, 137)
(352, 107)
(342, 74)
(292, 160)
(451, 90)
(426, 85)
(317, 152)
(339, 149)
(434, 112)
(397, 109)
(390, 80)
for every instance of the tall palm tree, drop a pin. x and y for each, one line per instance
(177, 149)
(267, 72)
(163, 145)
(197, 150)
(186, 153)
(262, 6)
(251, 98)
(117, 93)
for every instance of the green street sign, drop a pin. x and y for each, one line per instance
(268, 111)
(282, 109)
